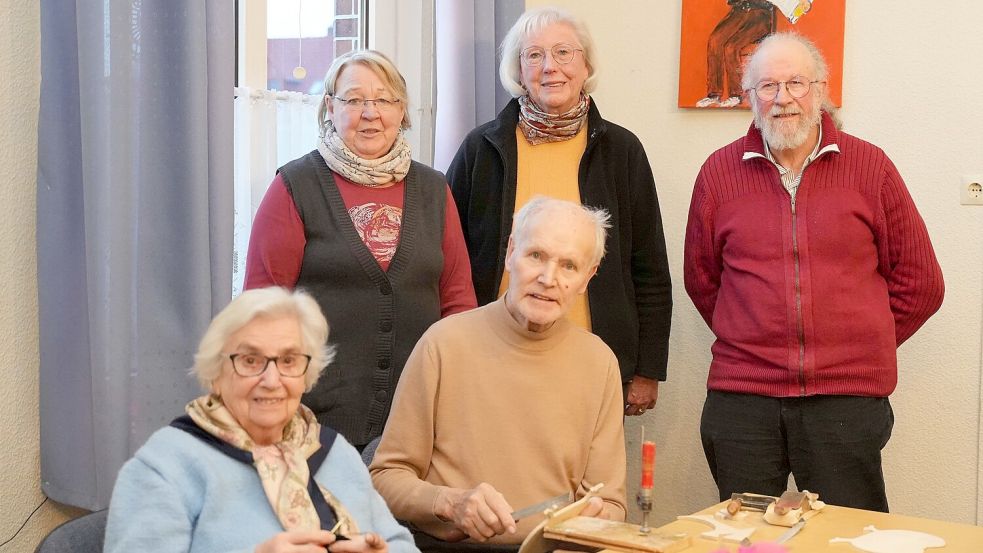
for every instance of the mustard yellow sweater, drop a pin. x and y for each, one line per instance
(481, 399)
(550, 169)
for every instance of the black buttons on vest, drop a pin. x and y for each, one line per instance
(381, 395)
(384, 364)
(385, 326)
(386, 289)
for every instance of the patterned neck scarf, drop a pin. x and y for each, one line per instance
(384, 171)
(539, 127)
(282, 467)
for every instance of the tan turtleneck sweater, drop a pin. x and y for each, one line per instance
(482, 399)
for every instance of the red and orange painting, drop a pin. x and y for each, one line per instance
(718, 36)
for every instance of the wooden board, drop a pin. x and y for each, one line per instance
(834, 522)
(619, 536)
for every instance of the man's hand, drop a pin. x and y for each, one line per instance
(595, 508)
(480, 512)
(642, 394)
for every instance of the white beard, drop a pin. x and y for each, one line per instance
(780, 136)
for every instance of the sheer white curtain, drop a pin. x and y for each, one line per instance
(272, 128)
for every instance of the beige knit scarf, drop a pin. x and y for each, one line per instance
(384, 171)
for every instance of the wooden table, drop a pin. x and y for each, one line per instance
(832, 522)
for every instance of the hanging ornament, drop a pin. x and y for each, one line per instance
(299, 71)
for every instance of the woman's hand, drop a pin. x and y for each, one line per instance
(360, 543)
(299, 541)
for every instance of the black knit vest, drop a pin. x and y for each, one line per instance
(376, 316)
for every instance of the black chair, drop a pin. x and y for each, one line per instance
(81, 535)
(369, 452)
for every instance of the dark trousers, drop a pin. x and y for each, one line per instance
(831, 444)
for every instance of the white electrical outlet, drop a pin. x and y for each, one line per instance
(971, 190)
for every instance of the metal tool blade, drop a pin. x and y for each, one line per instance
(551, 503)
(791, 532)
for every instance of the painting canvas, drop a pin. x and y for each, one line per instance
(718, 36)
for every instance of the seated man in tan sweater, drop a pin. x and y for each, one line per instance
(509, 404)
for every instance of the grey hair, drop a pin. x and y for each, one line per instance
(531, 22)
(540, 205)
(381, 65)
(820, 69)
(264, 302)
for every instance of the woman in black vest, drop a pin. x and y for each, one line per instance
(371, 234)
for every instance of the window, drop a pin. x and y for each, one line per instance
(303, 37)
(276, 104)
(284, 48)
(288, 45)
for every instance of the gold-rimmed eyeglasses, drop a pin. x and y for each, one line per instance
(359, 104)
(562, 54)
(797, 87)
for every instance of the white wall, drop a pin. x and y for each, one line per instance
(20, 78)
(911, 85)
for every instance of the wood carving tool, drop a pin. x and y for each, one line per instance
(788, 534)
(750, 502)
(538, 508)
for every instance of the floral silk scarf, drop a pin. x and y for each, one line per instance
(384, 171)
(539, 127)
(282, 467)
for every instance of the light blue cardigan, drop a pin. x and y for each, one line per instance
(178, 494)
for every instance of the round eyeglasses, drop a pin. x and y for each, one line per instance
(562, 54)
(254, 364)
(797, 87)
(359, 104)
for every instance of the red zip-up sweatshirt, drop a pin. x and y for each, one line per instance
(815, 298)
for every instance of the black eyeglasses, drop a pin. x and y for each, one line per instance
(562, 54)
(797, 87)
(253, 364)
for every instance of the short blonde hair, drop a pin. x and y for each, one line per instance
(381, 65)
(534, 21)
(264, 302)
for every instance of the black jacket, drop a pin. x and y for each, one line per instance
(630, 297)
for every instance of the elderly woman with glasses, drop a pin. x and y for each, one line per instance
(248, 468)
(552, 140)
(372, 235)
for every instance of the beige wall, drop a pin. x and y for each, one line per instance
(912, 86)
(20, 78)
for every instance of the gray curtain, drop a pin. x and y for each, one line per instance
(469, 93)
(134, 223)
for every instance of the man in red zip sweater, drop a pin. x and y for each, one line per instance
(810, 263)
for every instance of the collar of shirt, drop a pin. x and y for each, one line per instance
(790, 181)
